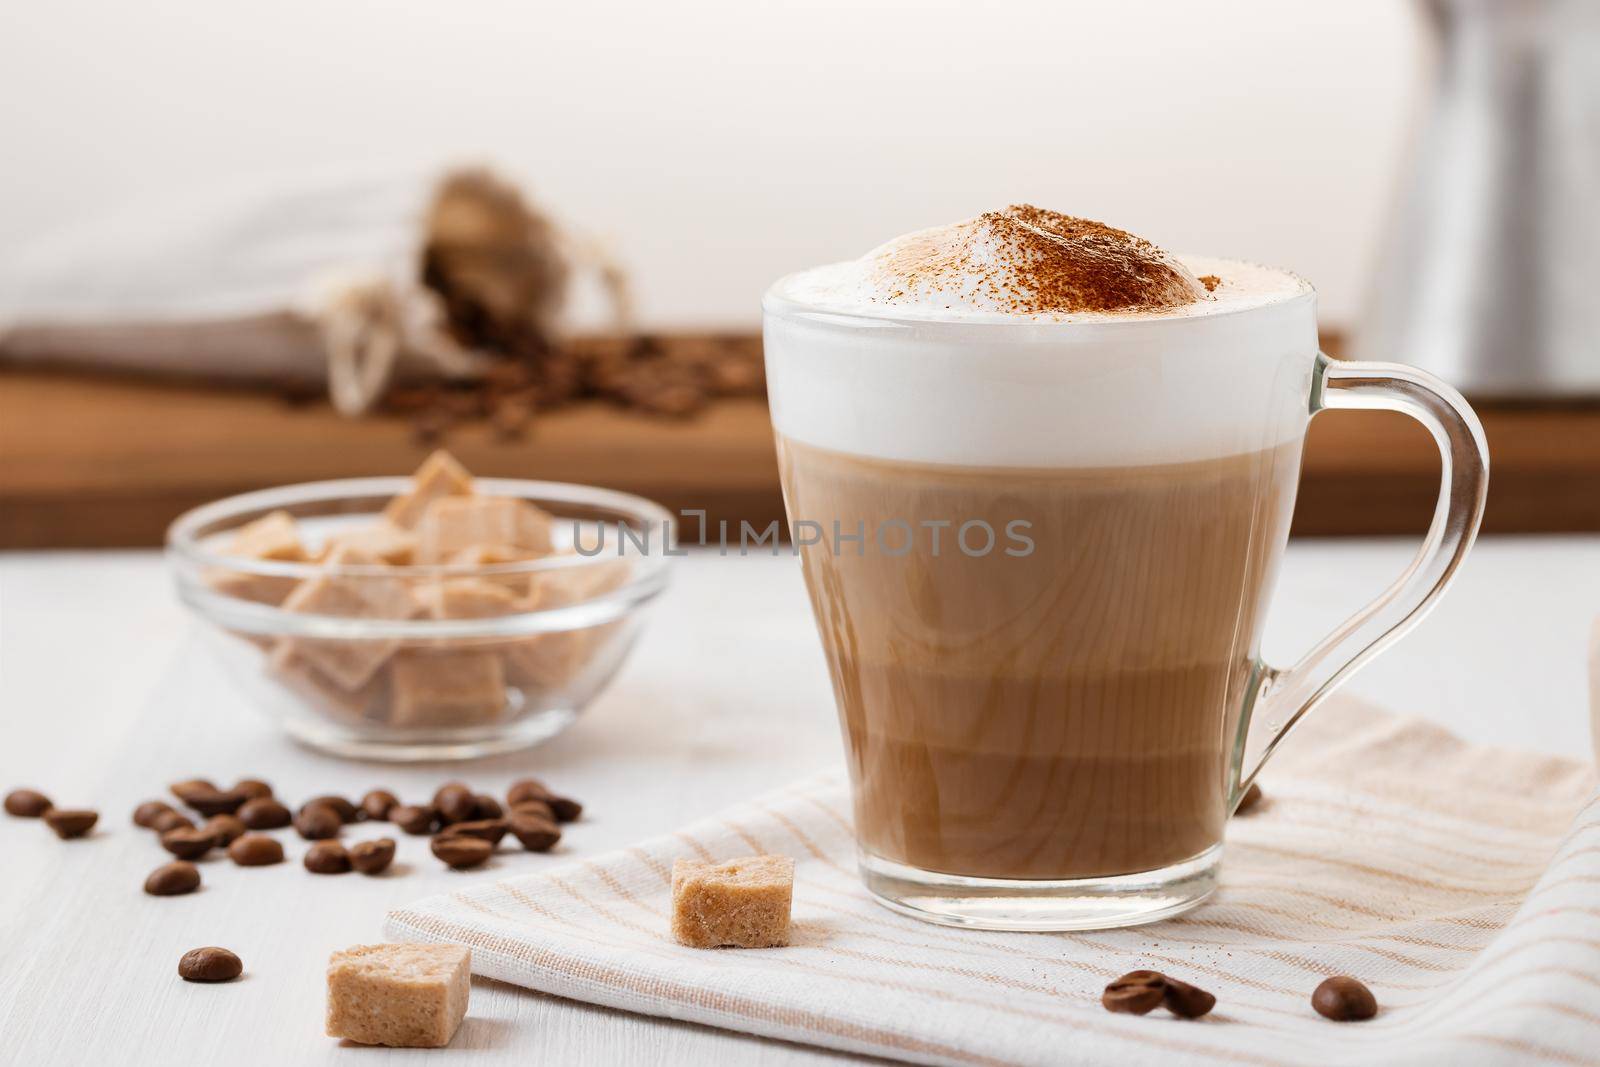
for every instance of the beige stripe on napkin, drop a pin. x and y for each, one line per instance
(1462, 883)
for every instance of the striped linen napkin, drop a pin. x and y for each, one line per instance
(1462, 883)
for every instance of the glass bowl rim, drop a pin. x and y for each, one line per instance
(182, 544)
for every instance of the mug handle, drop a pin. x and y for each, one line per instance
(1281, 697)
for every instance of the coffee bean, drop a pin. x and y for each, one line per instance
(1251, 798)
(252, 789)
(412, 818)
(462, 852)
(1187, 1001)
(264, 813)
(485, 806)
(171, 820)
(146, 814)
(347, 812)
(188, 844)
(256, 850)
(372, 857)
(454, 803)
(192, 787)
(173, 880)
(327, 857)
(26, 803)
(225, 828)
(565, 808)
(216, 802)
(1343, 999)
(534, 807)
(318, 822)
(490, 830)
(210, 964)
(70, 822)
(1135, 993)
(537, 833)
(378, 803)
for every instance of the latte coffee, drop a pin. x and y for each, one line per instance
(1060, 714)
(1051, 469)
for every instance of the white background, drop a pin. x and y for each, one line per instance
(720, 143)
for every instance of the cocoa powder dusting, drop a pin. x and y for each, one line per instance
(1210, 281)
(1031, 261)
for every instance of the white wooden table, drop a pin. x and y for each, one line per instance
(105, 697)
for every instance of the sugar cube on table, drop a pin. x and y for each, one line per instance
(738, 903)
(402, 996)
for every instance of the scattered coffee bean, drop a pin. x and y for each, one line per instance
(188, 844)
(490, 830)
(565, 808)
(210, 964)
(378, 803)
(252, 789)
(347, 812)
(538, 833)
(412, 818)
(1135, 993)
(372, 857)
(171, 820)
(454, 803)
(485, 806)
(317, 822)
(71, 822)
(256, 850)
(462, 852)
(206, 798)
(1187, 1001)
(146, 814)
(27, 803)
(190, 787)
(225, 828)
(216, 802)
(1251, 798)
(534, 807)
(264, 813)
(173, 880)
(327, 857)
(1343, 999)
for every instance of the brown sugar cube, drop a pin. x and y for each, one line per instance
(740, 903)
(552, 660)
(349, 663)
(402, 996)
(468, 598)
(290, 669)
(446, 688)
(439, 476)
(272, 536)
(269, 589)
(563, 586)
(452, 524)
(483, 555)
(382, 541)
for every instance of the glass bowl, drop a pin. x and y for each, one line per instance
(411, 662)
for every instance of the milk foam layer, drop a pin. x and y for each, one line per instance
(978, 270)
(967, 385)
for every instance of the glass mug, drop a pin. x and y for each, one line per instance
(1040, 555)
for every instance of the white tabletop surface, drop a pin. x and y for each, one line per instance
(105, 697)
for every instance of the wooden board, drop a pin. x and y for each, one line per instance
(94, 462)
